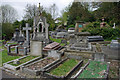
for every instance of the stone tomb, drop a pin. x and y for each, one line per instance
(36, 48)
(52, 46)
(17, 63)
(38, 67)
(95, 38)
(80, 42)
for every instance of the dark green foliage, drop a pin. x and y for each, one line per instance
(7, 31)
(110, 11)
(107, 32)
(70, 26)
(78, 12)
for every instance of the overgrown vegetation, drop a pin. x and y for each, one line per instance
(64, 68)
(95, 69)
(57, 40)
(107, 32)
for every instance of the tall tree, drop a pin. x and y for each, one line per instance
(78, 12)
(53, 10)
(30, 11)
(9, 14)
(110, 11)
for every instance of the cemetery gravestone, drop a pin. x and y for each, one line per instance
(80, 42)
(36, 48)
(115, 44)
(99, 57)
(27, 29)
(53, 53)
(18, 36)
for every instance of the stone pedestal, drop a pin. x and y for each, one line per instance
(36, 48)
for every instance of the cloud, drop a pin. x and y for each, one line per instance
(19, 5)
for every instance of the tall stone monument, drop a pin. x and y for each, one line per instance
(40, 34)
(40, 28)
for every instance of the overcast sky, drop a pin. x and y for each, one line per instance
(20, 5)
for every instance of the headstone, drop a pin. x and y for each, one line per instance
(99, 57)
(25, 50)
(16, 49)
(115, 44)
(53, 53)
(18, 36)
(8, 49)
(36, 48)
(27, 29)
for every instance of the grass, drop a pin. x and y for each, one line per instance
(12, 43)
(94, 70)
(28, 58)
(64, 68)
(57, 40)
(6, 57)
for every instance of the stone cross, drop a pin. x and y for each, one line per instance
(20, 30)
(27, 29)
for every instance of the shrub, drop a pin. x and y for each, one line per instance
(107, 32)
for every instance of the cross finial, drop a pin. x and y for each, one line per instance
(39, 9)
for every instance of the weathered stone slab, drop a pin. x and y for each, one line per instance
(95, 38)
(99, 57)
(54, 53)
(36, 48)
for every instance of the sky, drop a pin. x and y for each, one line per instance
(20, 5)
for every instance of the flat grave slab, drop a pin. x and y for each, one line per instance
(94, 69)
(38, 67)
(17, 63)
(63, 69)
